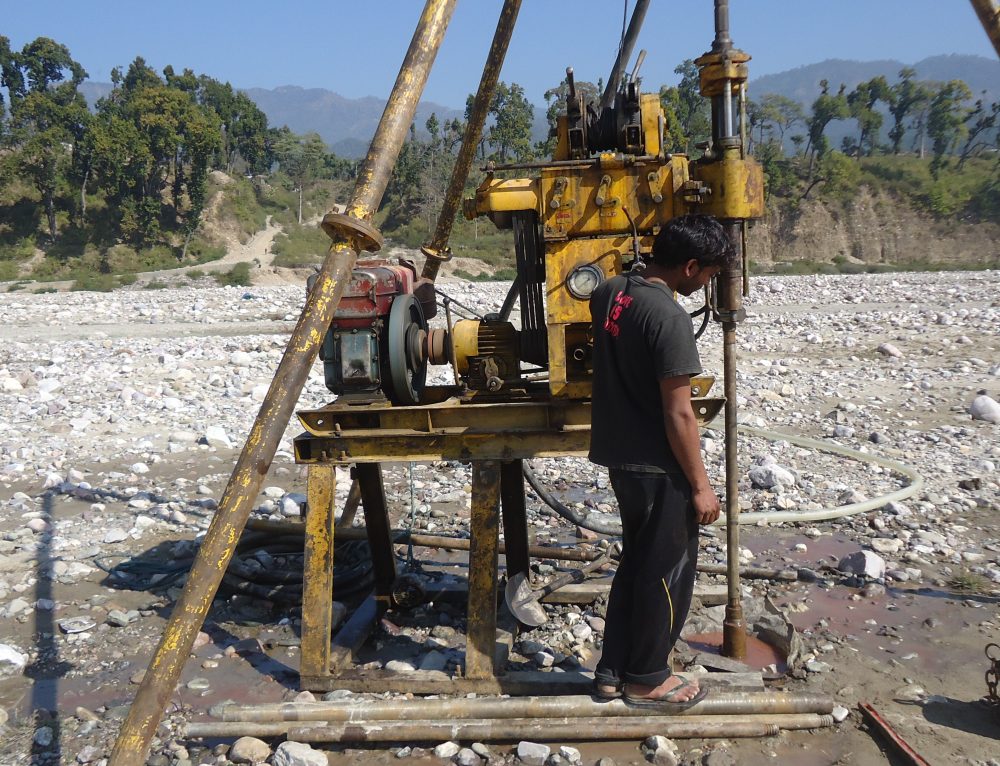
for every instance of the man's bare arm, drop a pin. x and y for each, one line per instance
(685, 442)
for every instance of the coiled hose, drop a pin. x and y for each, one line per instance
(606, 524)
(248, 576)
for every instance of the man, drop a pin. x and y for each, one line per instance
(645, 432)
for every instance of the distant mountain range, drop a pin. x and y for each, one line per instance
(802, 83)
(347, 124)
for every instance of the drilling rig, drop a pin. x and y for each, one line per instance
(520, 391)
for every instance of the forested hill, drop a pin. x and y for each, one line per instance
(801, 84)
(347, 124)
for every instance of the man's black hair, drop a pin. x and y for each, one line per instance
(692, 237)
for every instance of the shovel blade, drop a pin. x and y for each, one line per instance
(523, 602)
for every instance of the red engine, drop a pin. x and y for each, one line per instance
(378, 344)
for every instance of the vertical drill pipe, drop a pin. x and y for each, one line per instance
(252, 466)
(730, 287)
(470, 140)
(624, 53)
(722, 40)
(989, 17)
(734, 640)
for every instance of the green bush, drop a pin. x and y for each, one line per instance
(240, 204)
(238, 276)
(127, 279)
(201, 251)
(18, 250)
(155, 284)
(500, 275)
(95, 283)
(194, 273)
(300, 246)
(8, 271)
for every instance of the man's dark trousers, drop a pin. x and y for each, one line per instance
(652, 589)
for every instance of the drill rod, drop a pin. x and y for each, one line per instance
(436, 251)
(254, 461)
(624, 53)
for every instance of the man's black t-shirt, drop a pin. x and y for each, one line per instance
(641, 336)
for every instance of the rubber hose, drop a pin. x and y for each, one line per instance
(607, 524)
(602, 523)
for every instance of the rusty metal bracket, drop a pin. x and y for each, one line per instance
(365, 236)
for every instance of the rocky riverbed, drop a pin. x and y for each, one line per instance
(123, 414)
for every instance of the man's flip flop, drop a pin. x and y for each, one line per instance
(606, 692)
(669, 700)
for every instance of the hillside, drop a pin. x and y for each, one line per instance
(802, 83)
(347, 124)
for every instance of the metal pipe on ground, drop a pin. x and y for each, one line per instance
(717, 703)
(426, 541)
(505, 729)
(446, 543)
(251, 468)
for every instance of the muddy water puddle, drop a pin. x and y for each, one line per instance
(912, 625)
(759, 654)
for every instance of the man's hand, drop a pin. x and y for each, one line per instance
(706, 505)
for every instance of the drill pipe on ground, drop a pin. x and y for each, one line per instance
(505, 729)
(403, 536)
(251, 468)
(717, 703)
(427, 541)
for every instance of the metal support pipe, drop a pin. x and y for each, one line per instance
(989, 17)
(254, 461)
(437, 251)
(507, 729)
(719, 702)
(624, 53)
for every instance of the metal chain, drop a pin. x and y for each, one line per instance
(993, 674)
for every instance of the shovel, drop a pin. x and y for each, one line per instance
(523, 601)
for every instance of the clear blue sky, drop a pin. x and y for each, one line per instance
(355, 48)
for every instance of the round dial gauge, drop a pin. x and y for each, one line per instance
(583, 280)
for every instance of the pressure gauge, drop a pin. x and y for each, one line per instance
(583, 280)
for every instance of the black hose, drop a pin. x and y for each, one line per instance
(601, 523)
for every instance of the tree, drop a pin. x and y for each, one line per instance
(773, 113)
(825, 109)
(689, 116)
(905, 98)
(149, 134)
(46, 115)
(946, 120)
(862, 101)
(301, 158)
(980, 122)
(513, 116)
